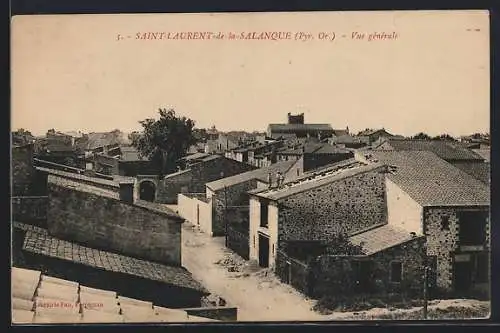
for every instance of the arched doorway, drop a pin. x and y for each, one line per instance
(147, 191)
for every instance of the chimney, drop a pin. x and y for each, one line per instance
(127, 189)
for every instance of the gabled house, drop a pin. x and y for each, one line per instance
(315, 208)
(428, 196)
(293, 228)
(400, 211)
(372, 135)
(349, 141)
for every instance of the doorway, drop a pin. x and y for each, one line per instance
(147, 191)
(263, 251)
(462, 276)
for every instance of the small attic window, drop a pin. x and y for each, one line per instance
(445, 223)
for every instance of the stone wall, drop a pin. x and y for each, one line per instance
(105, 164)
(193, 180)
(334, 274)
(294, 272)
(172, 185)
(235, 195)
(444, 242)
(347, 206)
(238, 241)
(110, 224)
(31, 210)
(22, 169)
(134, 168)
(215, 169)
(312, 161)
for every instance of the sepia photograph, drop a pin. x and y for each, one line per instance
(250, 167)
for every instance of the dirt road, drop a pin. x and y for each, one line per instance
(258, 296)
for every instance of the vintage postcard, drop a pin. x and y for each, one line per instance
(301, 166)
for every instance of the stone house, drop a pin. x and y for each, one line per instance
(399, 198)
(229, 196)
(349, 141)
(429, 196)
(291, 229)
(193, 180)
(347, 197)
(372, 135)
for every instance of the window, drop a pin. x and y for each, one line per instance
(472, 225)
(263, 213)
(396, 271)
(445, 223)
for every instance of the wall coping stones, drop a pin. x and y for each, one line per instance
(73, 176)
(159, 209)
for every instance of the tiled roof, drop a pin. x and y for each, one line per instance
(260, 174)
(369, 132)
(380, 238)
(210, 158)
(42, 299)
(444, 149)
(317, 179)
(277, 128)
(59, 147)
(431, 181)
(340, 132)
(479, 170)
(284, 135)
(97, 140)
(44, 244)
(330, 149)
(484, 153)
(194, 156)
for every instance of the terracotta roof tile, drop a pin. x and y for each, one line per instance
(53, 247)
(444, 149)
(96, 306)
(380, 238)
(431, 181)
(22, 316)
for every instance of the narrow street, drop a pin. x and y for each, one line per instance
(258, 296)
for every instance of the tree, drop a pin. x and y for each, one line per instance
(22, 136)
(421, 136)
(165, 140)
(444, 137)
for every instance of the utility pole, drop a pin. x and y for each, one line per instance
(225, 212)
(426, 269)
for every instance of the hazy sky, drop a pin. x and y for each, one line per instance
(69, 72)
